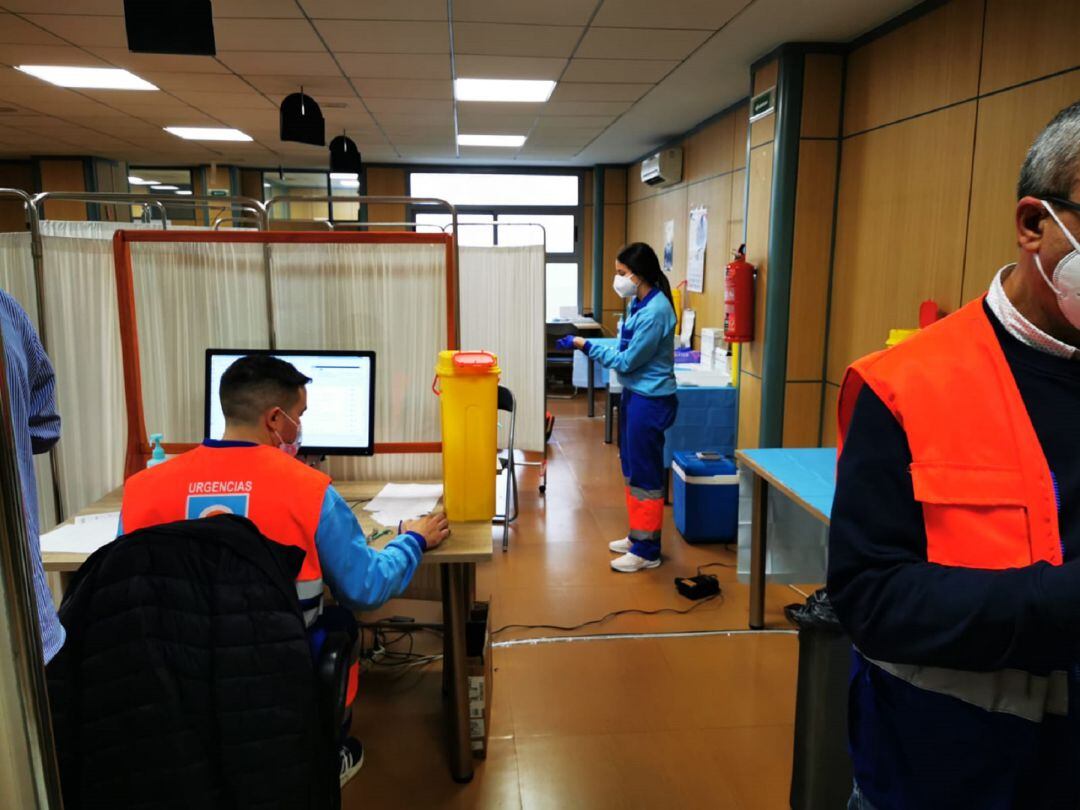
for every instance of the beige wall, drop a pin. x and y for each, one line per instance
(63, 174)
(938, 115)
(20, 175)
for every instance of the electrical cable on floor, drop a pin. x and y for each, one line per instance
(612, 615)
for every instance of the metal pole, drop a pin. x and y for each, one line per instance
(20, 609)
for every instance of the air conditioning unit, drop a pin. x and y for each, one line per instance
(663, 168)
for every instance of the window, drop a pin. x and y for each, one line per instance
(163, 184)
(298, 184)
(505, 209)
(531, 190)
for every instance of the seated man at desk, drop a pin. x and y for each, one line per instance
(252, 471)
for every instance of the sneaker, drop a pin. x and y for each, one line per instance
(352, 759)
(620, 546)
(629, 563)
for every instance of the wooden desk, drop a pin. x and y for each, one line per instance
(807, 477)
(468, 544)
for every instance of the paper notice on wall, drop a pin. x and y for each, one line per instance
(695, 256)
(669, 245)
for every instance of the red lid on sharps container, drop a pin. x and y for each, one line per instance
(474, 362)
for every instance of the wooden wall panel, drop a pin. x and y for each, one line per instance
(822, 80)
(20, 175)
(802, 414)
(615, 179)
(614, 239)
(749, 412)
(828, 415)
(63, 174)
(741, 119)
(815, 192)
(900, 229)
(757, 247)
(715, 195)
(390, 182)
(709, 152)
(926, 64)
(1025, 41)
(1008, 123)
(738, 205)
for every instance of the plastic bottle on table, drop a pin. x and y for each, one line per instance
(158, 454)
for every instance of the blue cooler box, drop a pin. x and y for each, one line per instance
(705, 496)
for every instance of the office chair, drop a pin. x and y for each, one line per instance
(507, 464)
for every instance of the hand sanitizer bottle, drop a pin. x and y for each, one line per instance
(158, 455)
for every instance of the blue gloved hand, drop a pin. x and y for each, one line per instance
(565, 342)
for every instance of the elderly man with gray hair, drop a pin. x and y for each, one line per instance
(954, 551)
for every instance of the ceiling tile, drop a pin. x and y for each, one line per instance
(266, 35)
(618, 70)
(549, 12)
(264, 9)
(395, 66)
(586, 107)
(375, 9)
(106, 7)
(15, 30)
(269, 63)
(209, 82)
(616, 43)
(409, 106)
(600, 92)
(404, 88)
(515, 40)
(499, 108)
(48, 55)
(474, 66)
(380, 36)
(573, 122)
(225, 101)
(150, 62)
(577, 139)
(392, 123)
(701, 14)
(314, 86)
(503, 125)
(85, 31)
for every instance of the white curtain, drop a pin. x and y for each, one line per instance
(190, 297)
(389, 298)
(502, 311)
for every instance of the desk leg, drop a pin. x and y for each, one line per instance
(454, 576)
(760, 518)
(592, 386)
(609, 416)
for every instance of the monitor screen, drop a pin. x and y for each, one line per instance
(340, 416)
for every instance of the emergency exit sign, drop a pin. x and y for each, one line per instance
(762, 105)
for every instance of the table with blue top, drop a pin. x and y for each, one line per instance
(807, 477)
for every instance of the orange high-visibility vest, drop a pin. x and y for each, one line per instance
(977, 466)
(279, 494)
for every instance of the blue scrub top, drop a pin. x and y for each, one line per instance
(645, 357)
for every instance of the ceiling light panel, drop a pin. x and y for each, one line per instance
(503, 141)
(88, 78)
(514, 90)
(208, 133)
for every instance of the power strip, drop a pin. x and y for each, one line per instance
(700, 587)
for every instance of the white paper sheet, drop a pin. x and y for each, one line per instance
(396, 503)
(687, 334)
(80, 538)
(698, 239)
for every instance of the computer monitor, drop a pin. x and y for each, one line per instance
(340, 416)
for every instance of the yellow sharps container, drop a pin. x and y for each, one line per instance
(469, 395)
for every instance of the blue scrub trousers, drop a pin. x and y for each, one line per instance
(642, 422)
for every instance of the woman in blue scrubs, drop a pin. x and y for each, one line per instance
(645, 363)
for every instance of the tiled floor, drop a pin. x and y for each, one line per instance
(657, 722)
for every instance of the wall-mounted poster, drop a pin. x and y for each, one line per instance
(695, 257)
(669, 245)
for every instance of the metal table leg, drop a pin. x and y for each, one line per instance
(760, 516)
(455, 596)
(592, 386)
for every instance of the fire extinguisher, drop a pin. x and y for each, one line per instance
(739, 299)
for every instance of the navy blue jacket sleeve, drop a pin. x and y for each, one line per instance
(899, 607)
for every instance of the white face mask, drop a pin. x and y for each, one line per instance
(290, 448)
(624, 286)
(1066, 277)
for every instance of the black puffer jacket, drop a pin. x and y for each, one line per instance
(186, 680)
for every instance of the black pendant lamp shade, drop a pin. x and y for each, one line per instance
(344, 156)
(302, 120)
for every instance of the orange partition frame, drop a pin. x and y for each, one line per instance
(138, 443)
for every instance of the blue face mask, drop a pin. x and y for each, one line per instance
(290, 448)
